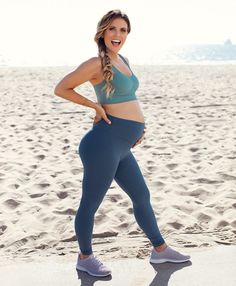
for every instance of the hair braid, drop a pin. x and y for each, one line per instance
(102, 26)
(107, 70)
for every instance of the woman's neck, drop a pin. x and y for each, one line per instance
(113, 56)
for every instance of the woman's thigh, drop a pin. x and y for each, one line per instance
(100, 156)
(129, 177)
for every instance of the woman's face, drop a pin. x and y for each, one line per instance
(115, 35)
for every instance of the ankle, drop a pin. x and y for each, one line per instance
(83, 256)
(161, 247)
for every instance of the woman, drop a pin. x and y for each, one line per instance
(105, 149)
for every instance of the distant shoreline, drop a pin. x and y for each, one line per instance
(202, 54)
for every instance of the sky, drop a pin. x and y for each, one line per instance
(61, 32)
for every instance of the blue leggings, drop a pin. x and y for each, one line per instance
(105, 154)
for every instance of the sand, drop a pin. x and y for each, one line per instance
(188, 159)
(214, 266)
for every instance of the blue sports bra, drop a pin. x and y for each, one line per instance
(125, 87)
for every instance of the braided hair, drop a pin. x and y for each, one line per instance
(102, 26)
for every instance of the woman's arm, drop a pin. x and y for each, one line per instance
(87, 71)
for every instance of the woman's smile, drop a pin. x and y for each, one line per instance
(115, 35)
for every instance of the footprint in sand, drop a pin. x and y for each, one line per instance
(130, 210)
(228, 177)
(233, 224)
(13, 186)
(159, 184)
(172, 166)
(70, 239)
(186, 243)
(204, 217)
(123, 225)
(125, 203)
(222, 223)
(176, 225)
(198, 193)
(105, 234)
(207, 181)
(68, 211)
(2, 228)
(152, 168)
(34, 166)
(11, 204)
(62, 195)
(40, 157)
(76, 171)
(114, 198)
(41, 186)
(68, 185)
(34, 196)
(66, 147)
(134, 232)
(193, 149)
(19, 243)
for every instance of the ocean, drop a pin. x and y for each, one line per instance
(176, 55)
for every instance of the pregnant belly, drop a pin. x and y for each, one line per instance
(127, 110)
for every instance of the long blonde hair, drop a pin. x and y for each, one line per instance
(102, 26)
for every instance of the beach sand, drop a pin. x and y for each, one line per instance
(188, 159)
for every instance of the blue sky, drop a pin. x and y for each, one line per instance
(49, 32)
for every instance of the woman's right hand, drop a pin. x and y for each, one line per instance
(100, 114)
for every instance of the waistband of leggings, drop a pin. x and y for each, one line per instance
(128, 130)
(123, 120)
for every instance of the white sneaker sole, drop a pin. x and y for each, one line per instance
(159, 261)
(81, 268)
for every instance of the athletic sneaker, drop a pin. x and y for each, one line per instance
(92, 266)
(168, 255)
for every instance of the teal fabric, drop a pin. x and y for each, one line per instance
(105, 152)
(125, 87)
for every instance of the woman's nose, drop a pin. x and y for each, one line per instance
(117, 33)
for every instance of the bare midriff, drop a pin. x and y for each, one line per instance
(130, 110)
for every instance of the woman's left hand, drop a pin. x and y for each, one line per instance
(139, 141)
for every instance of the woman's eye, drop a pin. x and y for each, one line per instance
(122, 30)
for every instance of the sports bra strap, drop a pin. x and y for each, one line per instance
(124, 60)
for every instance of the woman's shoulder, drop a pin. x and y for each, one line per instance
(91, 65)
(93, 62)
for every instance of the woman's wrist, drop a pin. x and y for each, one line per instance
(89, 103)
(97, 107)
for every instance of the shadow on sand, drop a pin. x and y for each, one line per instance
(164, 272)
(88, 280)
